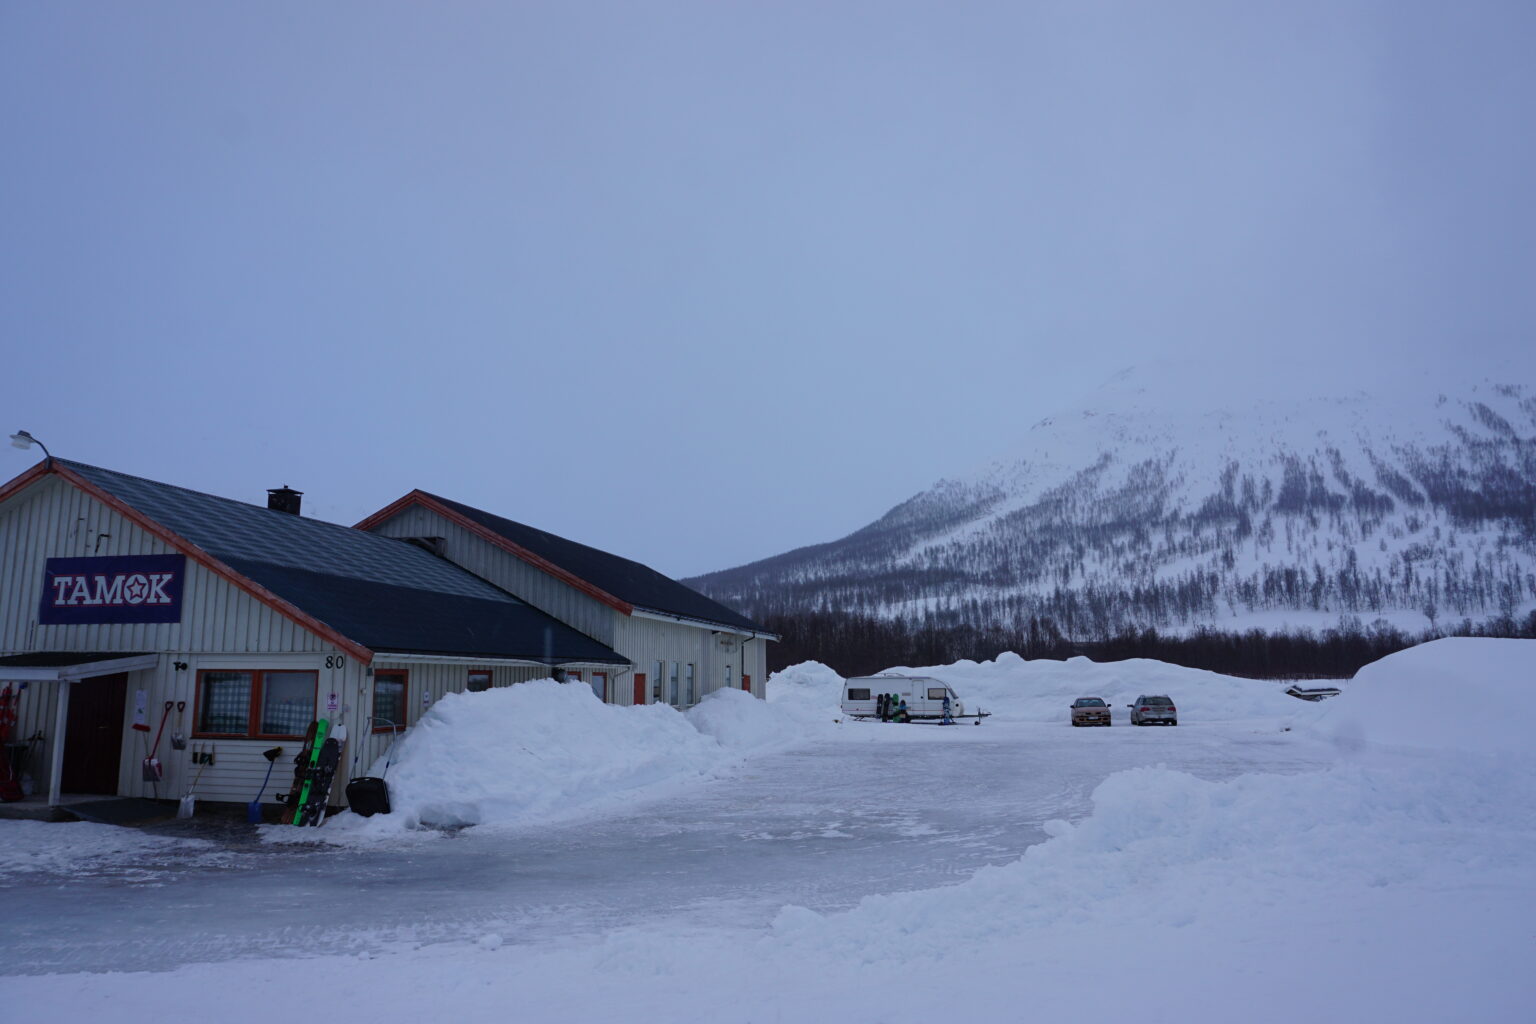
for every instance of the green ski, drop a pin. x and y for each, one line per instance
(307, 766)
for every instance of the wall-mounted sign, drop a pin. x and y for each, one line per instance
(120, 588)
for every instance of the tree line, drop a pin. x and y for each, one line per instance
(854, 645)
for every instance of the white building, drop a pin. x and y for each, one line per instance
(679, 643)
(126, 603)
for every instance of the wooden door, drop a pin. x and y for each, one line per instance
(639, 687)
(93, 734)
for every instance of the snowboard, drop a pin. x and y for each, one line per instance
(302, 762)
(317, 792)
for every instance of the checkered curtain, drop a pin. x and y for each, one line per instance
(287, 703)
(226, 702)
(388, 700)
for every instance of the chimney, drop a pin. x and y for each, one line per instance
(284, 499)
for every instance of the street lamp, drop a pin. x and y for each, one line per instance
(23, 440)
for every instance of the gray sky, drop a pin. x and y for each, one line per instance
(698, 283)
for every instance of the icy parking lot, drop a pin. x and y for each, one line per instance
(895, 808)
(1268, 860)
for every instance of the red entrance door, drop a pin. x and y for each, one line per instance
(93, 734)
(639, 687)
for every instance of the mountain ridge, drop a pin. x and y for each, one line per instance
(1142, 509)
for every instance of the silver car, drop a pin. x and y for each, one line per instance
(1150, 710)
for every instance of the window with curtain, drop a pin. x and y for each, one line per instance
(255, 703)
(389, 692)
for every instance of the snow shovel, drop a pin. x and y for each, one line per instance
(189, 802)
(178, 737)
(152, 769)
(368, 796)
(253, 809)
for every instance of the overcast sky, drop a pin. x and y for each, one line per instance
(698, 283)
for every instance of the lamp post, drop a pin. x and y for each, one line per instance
(23, 440)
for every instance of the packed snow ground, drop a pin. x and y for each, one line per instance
(1369, 857)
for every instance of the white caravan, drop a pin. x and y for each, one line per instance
(925, 697)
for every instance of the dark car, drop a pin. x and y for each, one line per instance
(1090, 711)
(1153, 710)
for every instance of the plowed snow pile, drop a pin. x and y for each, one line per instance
(543, 751)
(1394, 884)
(1265, 897)
(1459, 693)
(1016, 690)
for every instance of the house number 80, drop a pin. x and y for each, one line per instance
(334, 661)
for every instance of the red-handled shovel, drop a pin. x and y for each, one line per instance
(153, 771)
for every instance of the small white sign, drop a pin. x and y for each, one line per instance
(333, 702)
(426, 699)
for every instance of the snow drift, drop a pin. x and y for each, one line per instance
(1295, 894)
(1042, 691)
(1395, 884)
(1459, 693)
(543, 751)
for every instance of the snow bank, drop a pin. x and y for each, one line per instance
(809, 687)
(1042, 691)
(1262, 898)
(542, 751)
(1165, 849)
(1321, 891)
(741, 723)
(1459, 693)
(533, 752)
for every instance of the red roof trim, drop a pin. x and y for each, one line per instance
(490, 536)
(289, 611)
(25, 480)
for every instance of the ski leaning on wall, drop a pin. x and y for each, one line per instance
(303, 766)
(322, 773)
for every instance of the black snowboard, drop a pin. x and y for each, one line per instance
(300, 769)
(321, 776)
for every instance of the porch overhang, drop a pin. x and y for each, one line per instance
(72, 666)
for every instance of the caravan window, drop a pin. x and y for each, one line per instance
(937, 692)
(858, 694)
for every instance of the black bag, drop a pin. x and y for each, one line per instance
(368, 796)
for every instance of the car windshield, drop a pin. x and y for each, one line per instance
(1088, 702)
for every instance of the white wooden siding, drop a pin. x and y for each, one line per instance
(468, 551)
(647, 641)
(643, 641)
(53, 519)
(221, 627)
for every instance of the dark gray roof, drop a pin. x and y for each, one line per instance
(382, 593)
(384, 618)
(626, 580)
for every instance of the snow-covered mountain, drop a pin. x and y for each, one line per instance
(1175, 498)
